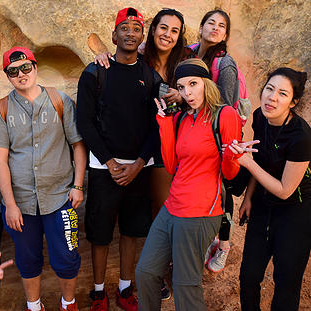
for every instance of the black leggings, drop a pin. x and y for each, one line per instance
(224, 232)
(283, 233)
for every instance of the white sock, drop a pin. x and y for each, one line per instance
(124, 284)
(99, 287)
(34, 305)
(66, 303)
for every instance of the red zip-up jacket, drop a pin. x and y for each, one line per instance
(195, 161)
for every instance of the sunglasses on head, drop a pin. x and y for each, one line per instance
(13, 72)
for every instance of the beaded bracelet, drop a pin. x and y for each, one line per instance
(77, 187)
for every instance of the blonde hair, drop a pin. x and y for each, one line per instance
(212, 98)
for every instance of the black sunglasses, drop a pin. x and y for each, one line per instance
(13, 72)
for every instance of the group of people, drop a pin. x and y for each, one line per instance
(130, 140)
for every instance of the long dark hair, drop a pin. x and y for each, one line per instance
(151, 54)
(221, 46)
(297, 79)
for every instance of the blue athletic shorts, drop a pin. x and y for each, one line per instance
(61, 233)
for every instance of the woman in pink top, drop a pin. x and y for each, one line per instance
(191, 215)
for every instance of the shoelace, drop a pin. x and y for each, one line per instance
(132, 300)
(213, 246)
(98, 305)
(211, 249)
(222, 256)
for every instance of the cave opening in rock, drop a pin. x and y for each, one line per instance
(60, 67)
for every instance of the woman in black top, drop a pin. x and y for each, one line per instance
(278, 197)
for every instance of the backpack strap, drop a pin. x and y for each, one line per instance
(156, 77)
(56, 101)
(217, 137)
(180, 117)
(54, 96)
(4, 107)
(100, 79)
(148, 78)
(216, 131)
(219, 59)
(194, 47)
(215, 67)
(215, 128)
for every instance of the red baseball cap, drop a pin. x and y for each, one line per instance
(17, 53)
(131, 14)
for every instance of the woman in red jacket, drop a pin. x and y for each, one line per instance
(191, 215)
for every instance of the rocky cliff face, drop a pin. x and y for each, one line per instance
(265, 34)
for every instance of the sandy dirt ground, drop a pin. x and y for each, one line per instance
(221, 291)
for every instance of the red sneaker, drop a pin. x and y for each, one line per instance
(126, 300)
(100, 300)
(71, 307)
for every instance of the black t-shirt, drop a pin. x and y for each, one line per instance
(126, 112)
(278, 144)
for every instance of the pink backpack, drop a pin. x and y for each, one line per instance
(243, 104)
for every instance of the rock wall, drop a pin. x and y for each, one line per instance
(265, 34)
(62, 33)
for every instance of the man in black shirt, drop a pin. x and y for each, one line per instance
(116, 118)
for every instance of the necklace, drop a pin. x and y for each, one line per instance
(273, 143)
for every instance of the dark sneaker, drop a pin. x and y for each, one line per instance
(100, 300)
(126, 300)
(165, 291)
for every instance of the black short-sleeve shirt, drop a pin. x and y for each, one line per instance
(278, 144)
